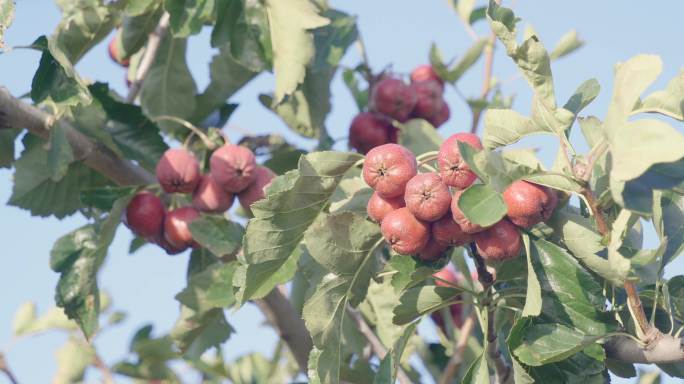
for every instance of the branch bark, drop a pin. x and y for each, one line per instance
(15, 113)
(457, 358)
(149, 55)
(666, 349)
(375, 343)
(4, 368)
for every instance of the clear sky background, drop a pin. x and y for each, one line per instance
(397, 32)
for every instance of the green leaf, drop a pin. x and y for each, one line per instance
(56, 78)
(478, 372)
(533, 296)
(78, 256)
(419, 136)
(468, 59)
(103, 198)
(293, 43)
(380, 301)
(418, 301)
(138, 7)
(668, 219)
(210, 288)
(583, 96)
(668, 102)
(73, 358)
(352, 196)
(23, 318)
(218, 235)
(550, 343)
(579, 368)
(227, 77)
(505, 126)
(7, 138)
(387, 371)
(169, 88)
(352, 83)
(6, 18)
(567, 44)
(345, 244)
(292, 203)
(482, 205)
(60, 154)
(84, 26)
(34, 189)
(136, 29)
(256, 369)
(195, 332)
(188, 16)
(242, 25)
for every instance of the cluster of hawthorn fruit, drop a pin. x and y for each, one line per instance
(419, 215)
(233, 172)
(392, 99)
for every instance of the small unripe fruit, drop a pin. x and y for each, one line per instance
(233, 167)
(393, 98)
(388, 168)
(255, 192)
(210, 197)
(454, 171)
(177, 227)
(378, 207)
(500, 242)
(113, 50)
(425, 72)
(427, 197)
(178, 171)
(529, 204)
(466, 225)
(432, 250)
(441, 117)
(405, 234)
(429, 99)
(446, 231)
(369, 130)
(145, 215)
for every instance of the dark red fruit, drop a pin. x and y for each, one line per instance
(500, 242)
(378, 207)
(210, 197)
(177, 227)
(405, 234)
(168, 247)
(425, 72)
(369, 130)
(393, 98)
(454, 171)
(448, 274)
(460, 218)
(429, 99)
(388, 168)
(178, 171)
(145, 215)
(529, 204)
(113, 49)
(427, 197)
(233, 167)
(441, 117)
(255, 192)
(446, 231)
(432, 250)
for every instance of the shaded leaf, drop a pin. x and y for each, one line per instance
(419, 136)
(195, 332)
(188, 16)
(478, 372)
(418, 301)
(668, 219)
(59, 155)
(549, 343)
(136, 29)
(217, 234)
(533, 296)
(210, 288)
(103, 198)
(583, 96)
(482, 205)
(387, 371)
(7, 138)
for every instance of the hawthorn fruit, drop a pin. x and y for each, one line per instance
(255, 192)
(466, 225)
(441, 117)
(378, 207)
(177, 227)
(388, 168)
(369, 130)
(145, 215)
(454, 171)
(233, 167)
(500, 242)
(446, 231)
(210, 197)
(425, 72)
(429, 100)
(427, 197)
(178, 171)
(432, 250)
(113, 50)
(528, 204)
(405, 234)
(392, 97)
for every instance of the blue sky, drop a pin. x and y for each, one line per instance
(397, 32)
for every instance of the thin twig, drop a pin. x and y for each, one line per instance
(151, 49)
(457, 357)
(375, 343)
(4, 367)
(601, 223)
(487, 81)
(107, 377)
(196, 131)
(637, 308)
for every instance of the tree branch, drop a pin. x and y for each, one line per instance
(375, 343)
(487, 81)
(18, 114)
(149, 55)
(4, 368)
(457, 357)
(666, 349)
(107, 377)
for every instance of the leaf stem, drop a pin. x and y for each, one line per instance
(193, 129)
